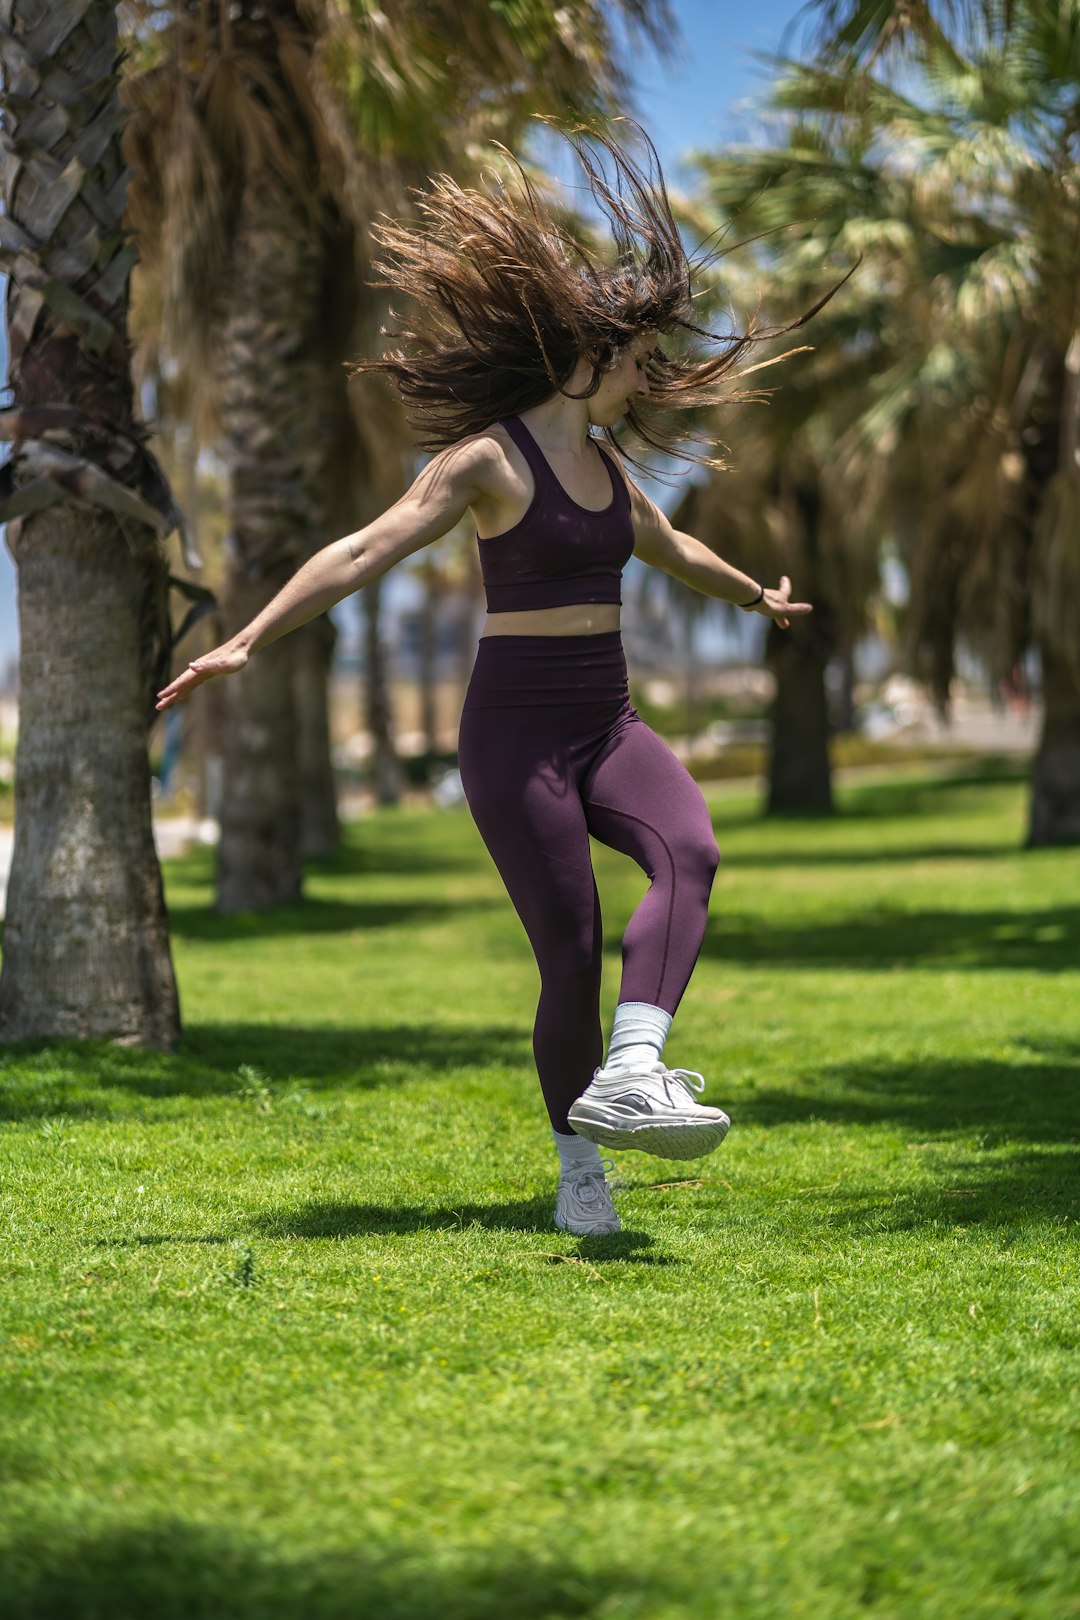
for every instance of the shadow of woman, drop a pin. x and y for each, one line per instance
(333, 1220)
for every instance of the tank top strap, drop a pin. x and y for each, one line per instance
(619, 487)
(543, 477)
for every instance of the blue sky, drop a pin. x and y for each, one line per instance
(702, 99)
(705, 97)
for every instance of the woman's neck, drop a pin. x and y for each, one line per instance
(559, 423)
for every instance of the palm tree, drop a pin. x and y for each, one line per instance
(994, 129)
(781, 506)
(266, 136)
(86, 949)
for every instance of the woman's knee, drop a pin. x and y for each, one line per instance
(697, 854)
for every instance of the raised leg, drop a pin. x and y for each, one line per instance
(640, 800)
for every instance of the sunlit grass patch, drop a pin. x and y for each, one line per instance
(287, 1330)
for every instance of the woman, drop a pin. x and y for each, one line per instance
(527, 340)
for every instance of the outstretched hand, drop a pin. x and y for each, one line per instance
(225, 660)
(778, 605)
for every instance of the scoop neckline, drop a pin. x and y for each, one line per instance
(592, 511)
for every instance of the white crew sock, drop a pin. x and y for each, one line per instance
(575, 1153)
(637, 1037)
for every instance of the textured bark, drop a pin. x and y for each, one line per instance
(263, 369)
(331, 469)
(86, 950)
(86, 947)
(385, 765)
(800, 773)
(258, 858)
(320, 827)
(800, 780)
(1055, 783)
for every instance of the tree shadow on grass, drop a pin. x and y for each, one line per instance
(1037, 1188)
(910, 793)
(376, 858)
(367, 850)
(966, 1117)
(800, 857)
(1046, 941)
(46, 1079)
(1010, 1100)
(182, 1571)
(358, 1057)
(320, 916)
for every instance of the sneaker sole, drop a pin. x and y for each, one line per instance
(673, 1141)
(602, 1229)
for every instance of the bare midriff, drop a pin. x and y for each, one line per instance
(577, 619)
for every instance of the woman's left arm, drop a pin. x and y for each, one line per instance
(659, 544)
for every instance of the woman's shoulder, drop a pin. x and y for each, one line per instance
(488, 458)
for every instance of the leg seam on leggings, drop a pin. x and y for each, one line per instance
(615, 811)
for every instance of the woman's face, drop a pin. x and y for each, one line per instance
(623, 381)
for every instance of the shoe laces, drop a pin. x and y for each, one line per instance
(688, 1079)
(592, 1181)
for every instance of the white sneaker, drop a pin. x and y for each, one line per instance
(652, 1109)
(583, 1204)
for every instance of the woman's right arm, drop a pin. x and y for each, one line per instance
(438, 498)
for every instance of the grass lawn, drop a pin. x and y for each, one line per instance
(285, 1332)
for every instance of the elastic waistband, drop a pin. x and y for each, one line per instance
(536, 671)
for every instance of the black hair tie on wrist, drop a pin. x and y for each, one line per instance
(760, 597)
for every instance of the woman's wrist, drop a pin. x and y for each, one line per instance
(748, 607)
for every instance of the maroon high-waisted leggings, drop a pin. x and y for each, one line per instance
(550, 751)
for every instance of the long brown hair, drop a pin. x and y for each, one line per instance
(507, 298)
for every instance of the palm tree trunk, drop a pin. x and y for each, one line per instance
(800, 771)
(320, 827)
(86, 947)
(265, 383)
(800, 781)
(1054, 816)
(258, 860)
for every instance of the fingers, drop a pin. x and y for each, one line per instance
(179, 688)
(781, 609)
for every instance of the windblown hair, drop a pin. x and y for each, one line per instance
(507, 299)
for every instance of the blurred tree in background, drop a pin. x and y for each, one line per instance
(938, 414)
(265, 137)
(941, 145)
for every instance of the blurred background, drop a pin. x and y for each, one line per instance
(916, 472)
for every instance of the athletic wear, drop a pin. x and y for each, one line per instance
(551, 751)
(653, 1109)
(637, 1036)
(559, 553)
(583, 1202)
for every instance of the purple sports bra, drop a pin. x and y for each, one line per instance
(559, 553)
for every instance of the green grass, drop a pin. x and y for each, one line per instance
(286, 1335)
